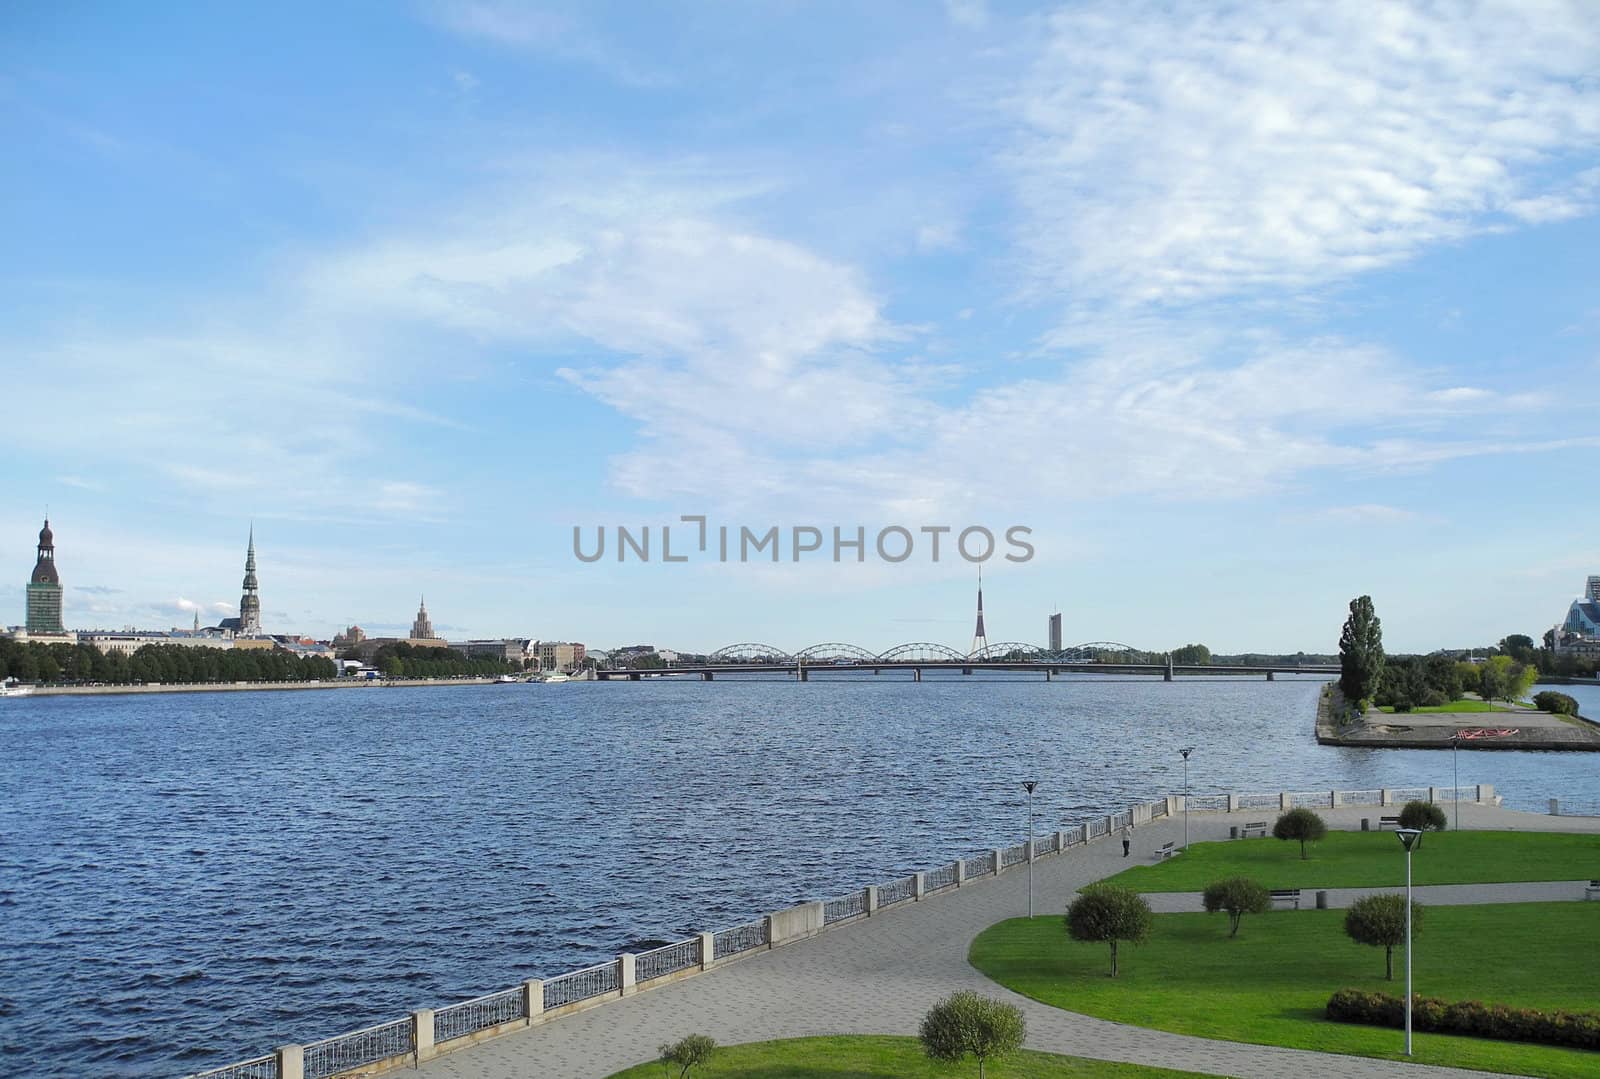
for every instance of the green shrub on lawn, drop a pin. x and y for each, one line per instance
(1579, 1030)
(1556, 703)
(1423, 816)
(1302, 824)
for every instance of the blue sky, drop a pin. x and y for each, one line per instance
(1243, 311)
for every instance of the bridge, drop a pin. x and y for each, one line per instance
(834, 657)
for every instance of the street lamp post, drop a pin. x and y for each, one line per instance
(1186, 753)
(1028, 785)
(1455, 776)
(1411, 839)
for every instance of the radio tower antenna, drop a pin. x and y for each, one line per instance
(980, 640)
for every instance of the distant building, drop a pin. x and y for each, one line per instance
(514, 650)
(129, 641)
(248, 624)
(351, 637)
(1580, 633)
(560, 656)
(44, 589)
(1055, 632)
(422, 628)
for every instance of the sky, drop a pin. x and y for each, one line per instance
(1240, 310)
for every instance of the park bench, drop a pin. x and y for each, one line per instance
(1166, 850)
(1593, 890)
(1388, 822)
(1257, 826)
(1287, 895)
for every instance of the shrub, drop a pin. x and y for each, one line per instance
(1380, 920)
(1423, 816)
(692, 1049)
(966, 1024)
(1548, 700)
(1302, 824)
(1109, 913)
(1238, 896)
(1580, 1030)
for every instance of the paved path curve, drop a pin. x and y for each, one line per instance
(880, 975)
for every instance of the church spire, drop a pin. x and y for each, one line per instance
(250, 602)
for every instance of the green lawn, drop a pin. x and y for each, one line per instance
(891, 1058)
(1271, 983)
(1374, 859)
(1459, 706)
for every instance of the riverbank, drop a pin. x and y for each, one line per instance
(249, 687)
(1529, 729)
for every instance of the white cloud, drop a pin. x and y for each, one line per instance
(1371, 513)
(564, 35)
(971, 14)
(1176, 154)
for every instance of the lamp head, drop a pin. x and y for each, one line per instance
(1029, 784)
(1186, 752)
(1410, 838)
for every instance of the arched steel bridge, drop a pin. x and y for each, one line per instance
(1094, 657)
(927, 652)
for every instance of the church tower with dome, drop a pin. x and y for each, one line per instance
(44, 587)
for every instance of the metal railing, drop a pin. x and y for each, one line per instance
(979, 865)
(1244, 801)
(1014, 855)
(1402, 795)
(741, 938)
(1046, 844)
(1311, 799)
(943, 877)
(670, 959)
(1361, 798)
(1567, 807)
(1158, 809)
(897, 891)
(346, 1052)
(259, 1068)
(1099, 828)
(585, 984)
(479, 1013)
(844, 908)
(1205, 803)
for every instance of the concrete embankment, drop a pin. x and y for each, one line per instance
(250, 687)
(1528, 729)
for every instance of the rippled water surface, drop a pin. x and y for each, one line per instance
(190, 879)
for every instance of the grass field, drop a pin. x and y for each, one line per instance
(890, 1058)
(1271, 984)
(1374, 859)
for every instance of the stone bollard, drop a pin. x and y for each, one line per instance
(1061, 842)
(625, 975)
(422, 1033)
(1335, 799)
(919, 884)
(708, 950)
(870, 905)
(1284, 800)
(533, 999)
(997, 860)
(1555, 807)
(291, 1062)
(961, 872)
(1386, 797)
(1233, 803)
(1029, 850)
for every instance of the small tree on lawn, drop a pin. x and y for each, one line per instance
(1380, 920)
(966, 1024)
(1302, 824)
(1238, 896)
(1108, 913)
(1423, 816)
(692, 1049)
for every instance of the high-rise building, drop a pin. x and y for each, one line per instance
(422, 628)
(44, 587)
(1593, 589)
(1055, 632)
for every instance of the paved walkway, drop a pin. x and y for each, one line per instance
(879, 975)
(1436, 895)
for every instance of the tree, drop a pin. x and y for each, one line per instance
(1361, 651)
(1110, 914)
(1192, 655)
(1302, 824)
(688, 1051)
(1238, 896)
(1519, 646)
(1380, 920)
(966, 1024)
(1423, 816)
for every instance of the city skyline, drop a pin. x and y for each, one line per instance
(1244, 313)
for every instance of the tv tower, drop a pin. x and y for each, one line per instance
(980, 640)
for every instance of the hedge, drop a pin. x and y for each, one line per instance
(1580, 1030)
(1558, 703)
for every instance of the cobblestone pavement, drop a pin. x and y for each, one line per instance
(879, 975)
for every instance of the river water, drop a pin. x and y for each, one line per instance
(187, 880)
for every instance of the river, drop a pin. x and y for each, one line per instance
(190, 879)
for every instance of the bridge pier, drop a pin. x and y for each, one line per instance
(916, 674)
(1049, 674)
(633, 676)
(1272, 676)
(1166, 675)
(805, 675)
(707, 676)
(966, 670)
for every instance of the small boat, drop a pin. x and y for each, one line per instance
(506, 680)
(557, 678)
(14, 689)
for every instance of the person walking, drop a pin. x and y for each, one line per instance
(1127, 838)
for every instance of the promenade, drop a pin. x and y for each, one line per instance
(879, 975)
